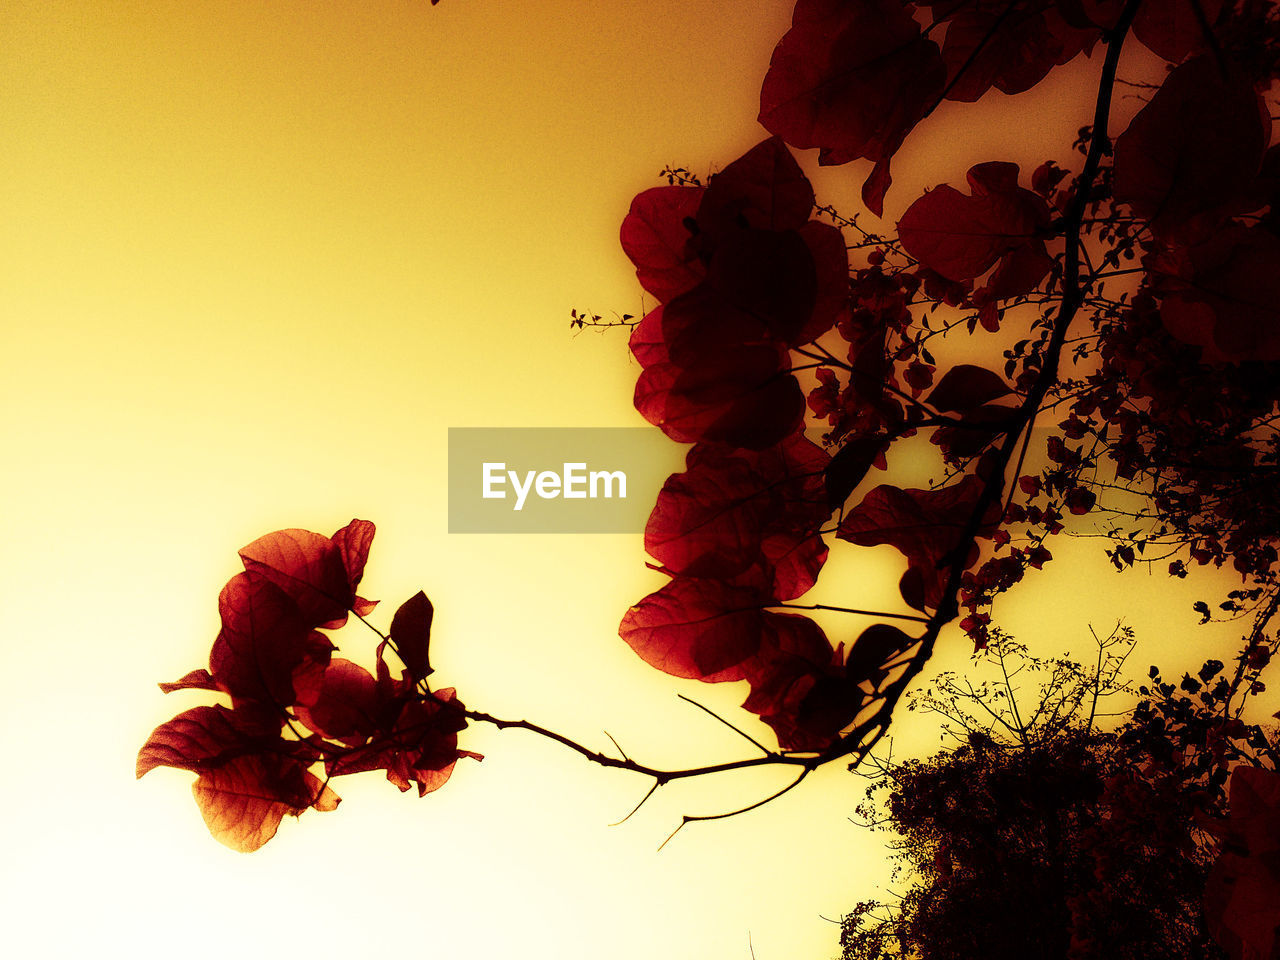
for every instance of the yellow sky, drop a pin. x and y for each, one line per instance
(258, 257)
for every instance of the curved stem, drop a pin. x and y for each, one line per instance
(864, 736)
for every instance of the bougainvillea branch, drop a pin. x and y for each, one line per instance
(1135, 308)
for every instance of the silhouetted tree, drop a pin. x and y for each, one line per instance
(1041, 835)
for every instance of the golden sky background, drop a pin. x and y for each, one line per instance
(258, 257)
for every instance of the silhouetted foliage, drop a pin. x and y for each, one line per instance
(1041, 835)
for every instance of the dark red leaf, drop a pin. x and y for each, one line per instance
(764, 189)
(918, 375)
(966, 387)
(1224, 294)
(647, 343)
(789, 565)
(850, 465)
(1195, 147)
(770, 276)
(831, 266)
(1018, 273)
(809, 702)
(875, 647)
(744, 396)
(710, 631)
(346, 706)
(733, 509)
(1242, 894)
(249, 776)
(961, 237)
(1046, 177)
(656, 236)
(319, 573)
(353, 542)
(980, 426)
(203, 738)
(420, 747)
(244, 800)
(1080, 500)
(411, 633)
(1008, 46)
(1038, 556)
(795, 659)
(263, 642)
(1172, 28)
(195, 680)
(851, 79)
(925, 526)
(876, 186)
(698, 629)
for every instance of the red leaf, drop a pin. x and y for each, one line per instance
(319, 573)
(967, 387)
(656, 236)
(794, 661)
(263, 642)
(831, 266)
(918, 375)
(195, 680)
(698, 629)
(1008, 46)
(850, 465)
(710, 631)
(961, 237)
(1080, 500)
(770, 276)
(762, 255)
(870, 654)
(1172, 28)
(1018, 273)
(249, 776)
(647, 343)
(744, 396)
(411, 633)
(731, 510)
(420, 747)
(1242, 894)
(353, 542)
(981, 425)
(347, 704)
(1195, 147)
(852, 79)
(925, 526)
(764, 189)
(244, 800)
(817, 703)
(790, 565)
(1224, 294)
(1046, 177)
(876, 186)
(203, 738)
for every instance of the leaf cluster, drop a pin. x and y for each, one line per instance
(295, 707)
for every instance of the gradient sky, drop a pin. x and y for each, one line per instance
(258, 257)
